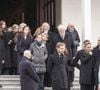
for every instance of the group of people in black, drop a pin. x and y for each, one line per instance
(48, 58)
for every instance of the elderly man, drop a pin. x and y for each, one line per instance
(28, 77)
(64, 37)
(75, 36)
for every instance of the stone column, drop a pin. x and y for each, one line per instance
(86, 19)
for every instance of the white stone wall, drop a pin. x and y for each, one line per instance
(70, 12)
(95, 20)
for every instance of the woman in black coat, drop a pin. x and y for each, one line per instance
(58, 68)
(8, 40)
(86, 67)
(24, 42)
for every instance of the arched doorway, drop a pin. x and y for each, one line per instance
(32, 12)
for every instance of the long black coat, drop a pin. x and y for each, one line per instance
(28, 77)
(86, 67)
(13, 52)
(2, 52)
(75, 35)
(96, 54)
(7, 38)
(57, 68)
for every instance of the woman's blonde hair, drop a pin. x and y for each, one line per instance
(38, 31)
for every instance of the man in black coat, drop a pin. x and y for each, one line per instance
(28, 77)
(75, 36)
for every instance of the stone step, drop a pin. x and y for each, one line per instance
(10, 79)
(10, 89)
(18, 88)
(46, 88)
(9, 82)
(12, 82)
(9, 76)
(11, 86)
(76, 83)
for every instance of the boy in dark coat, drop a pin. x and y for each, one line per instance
(58, 68)
(65, 37)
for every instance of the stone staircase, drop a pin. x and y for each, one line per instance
(76, 85)
(12, 82)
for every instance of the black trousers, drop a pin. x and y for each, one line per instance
(71, 76)
(87, 87)
(47, 80)
(41, 83)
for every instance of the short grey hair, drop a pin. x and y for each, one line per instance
(61, 26)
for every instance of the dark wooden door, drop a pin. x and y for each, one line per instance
(11, 11)
(46, 12)
(32, 12)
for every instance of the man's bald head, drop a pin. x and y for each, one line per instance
(27, 53)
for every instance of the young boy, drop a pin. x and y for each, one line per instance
(58, 68)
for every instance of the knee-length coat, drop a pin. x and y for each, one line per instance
(86, 67)
(57, 68)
